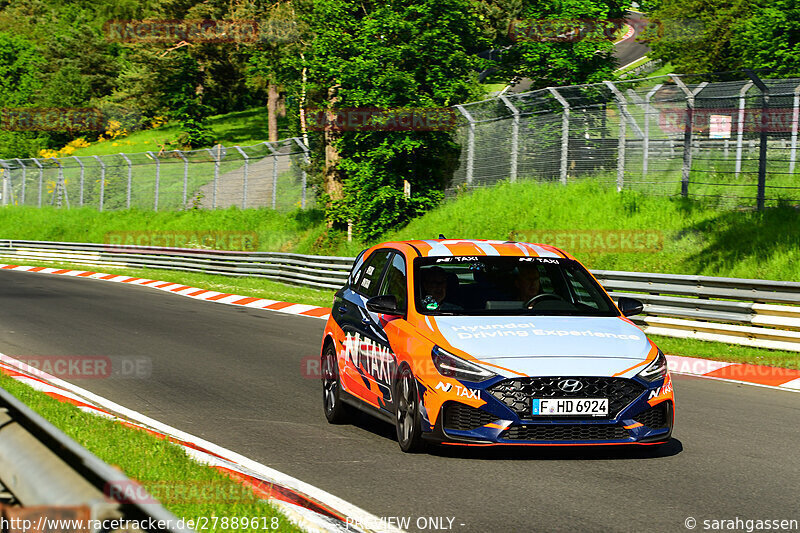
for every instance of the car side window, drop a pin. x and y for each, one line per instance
(394, 281)
(357, 270)
(368, 283)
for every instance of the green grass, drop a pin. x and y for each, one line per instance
(150, 460)
(238, 128)
(258, 287)
(698, 238)
(721, 351)
(632, 66)
(274, 231)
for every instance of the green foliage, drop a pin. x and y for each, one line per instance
(367, 55)
(721, 35)
(551, 63)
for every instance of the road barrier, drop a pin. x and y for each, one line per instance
(50, 476)
(749, 312)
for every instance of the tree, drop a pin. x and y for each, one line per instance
(699, 36)
(389, 55)
(770, 39)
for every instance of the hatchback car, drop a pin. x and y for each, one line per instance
(478, 342)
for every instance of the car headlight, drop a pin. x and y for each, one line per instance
(656, 370)
(454, 367)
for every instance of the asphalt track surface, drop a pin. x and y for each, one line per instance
(629, 50)
(232, 375)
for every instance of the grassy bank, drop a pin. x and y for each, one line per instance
(697, 237)
(274, 231)
(154, 462)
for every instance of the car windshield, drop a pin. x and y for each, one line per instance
(507, 286)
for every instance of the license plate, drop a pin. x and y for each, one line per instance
(570, 406)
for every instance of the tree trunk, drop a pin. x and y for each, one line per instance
(272, 112)
(333, 178)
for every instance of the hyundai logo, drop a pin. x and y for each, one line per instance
(570, 385)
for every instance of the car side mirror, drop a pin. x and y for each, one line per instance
(630, 306)
(385, 304)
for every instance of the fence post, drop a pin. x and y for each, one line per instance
(564, 134)
(24, 171)
(80, 191)
(102, 181)
(244, 176)
(158, 179)
(470, 144)
(306, 159)
(185, 176)
(216, 174)
(624, 118)
(795, 117)
(740, 127)
(688, 130)
(763, 133)
(130, 180)
(41, 179)
(274, 153)
(514, 137)
(60, 188)
(6, 178)
(648, 109)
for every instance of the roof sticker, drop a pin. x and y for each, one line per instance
(544, 253)
(487, 248)
(437, 248)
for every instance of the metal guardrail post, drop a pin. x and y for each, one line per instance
(102, 181)
(41, 179)
(763, 133)
(130, 180)
(565, 114)
(80, 192)
(304, 176)
(185, 176)
(244, 175)
(740, 128)
(470, 144)
(648, 109)
(274, 153)
(514, 137)
(795, 120)
(158, 179)
(688, 131)
(24, 172)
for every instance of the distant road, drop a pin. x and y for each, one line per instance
(630, 49)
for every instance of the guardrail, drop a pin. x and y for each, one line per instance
(751, 312)
(48, 475)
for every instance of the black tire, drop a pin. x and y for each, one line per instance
(336, 411)
(408, 420)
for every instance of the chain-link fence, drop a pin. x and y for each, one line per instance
(263, 175)
(672, 135)
(687, 135)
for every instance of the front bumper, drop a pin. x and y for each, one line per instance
(639, 414)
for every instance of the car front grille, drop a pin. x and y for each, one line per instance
(566, 432)
(656, 417)
(465, 418)
(516, 393)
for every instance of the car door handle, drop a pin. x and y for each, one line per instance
(342, 309)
